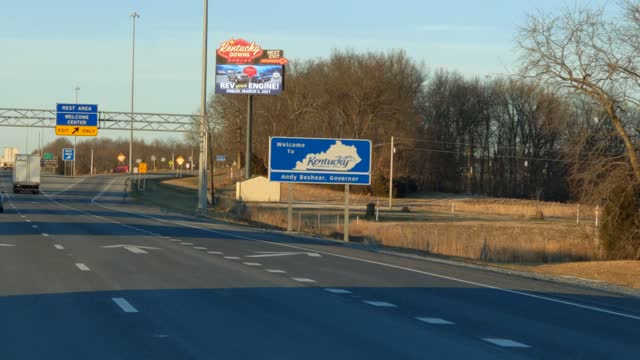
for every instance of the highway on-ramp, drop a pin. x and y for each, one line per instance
(88, 273)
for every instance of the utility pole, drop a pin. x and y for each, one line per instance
(393, 150)
(134, 15)
(202, 170)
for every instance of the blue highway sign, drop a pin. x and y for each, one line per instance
(68, 154)
(320, 161)
(76, 115)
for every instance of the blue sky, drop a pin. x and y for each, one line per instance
(49, 47)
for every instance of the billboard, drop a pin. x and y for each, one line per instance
(320, 161)
(244, 68)
(249, 79)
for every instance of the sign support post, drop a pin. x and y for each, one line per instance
(346, 213)
(391, 175)
(247, 155)
(75, 144)
(289, 210)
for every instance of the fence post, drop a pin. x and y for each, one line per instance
(452, 207)
(597, 215)
(299, 220)
(318, 221)
(337, 223)
(578, 214)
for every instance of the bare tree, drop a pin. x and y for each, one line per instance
(582, 52)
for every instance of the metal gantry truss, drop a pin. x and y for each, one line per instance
(108, 120)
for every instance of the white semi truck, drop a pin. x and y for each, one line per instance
(26, 173)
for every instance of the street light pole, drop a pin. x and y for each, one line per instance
(134, 15)
(202, 170)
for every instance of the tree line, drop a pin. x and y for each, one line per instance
(106, 150)
(565, 127)
(498, 137)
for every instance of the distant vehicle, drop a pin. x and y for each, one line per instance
(26, 173)
(261, 78)
(121, 169)
(237, 76)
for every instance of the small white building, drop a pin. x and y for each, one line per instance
(258, 189)
(9, 156)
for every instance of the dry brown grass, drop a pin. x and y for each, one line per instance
(278, 218)
(510, 207)
(516, 242)
(309, 192)
(190, 179)
(624, 273)
(499, 242)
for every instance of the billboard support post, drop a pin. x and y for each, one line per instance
(346, 212)
(247, 155)
(204, 127)
(289, 210)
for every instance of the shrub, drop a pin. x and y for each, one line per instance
(619, 233)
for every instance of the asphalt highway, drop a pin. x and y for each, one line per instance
(88, 273)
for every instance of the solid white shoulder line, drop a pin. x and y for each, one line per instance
(522, 293)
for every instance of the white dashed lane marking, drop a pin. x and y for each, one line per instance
(506, 343)
(380, 303)
(338, 291)
(435, 321)
(27, 220)
(232, 257)
(59, 247)
(124, 305)
(45, 234)
(252, 264)
(303, 280)
(82, 267)
(200, 248)
(185, 243)
(215, 252)
(276, 271)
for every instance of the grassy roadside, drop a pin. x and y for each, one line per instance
(165, 196)
(457, 241)
(618, 272)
